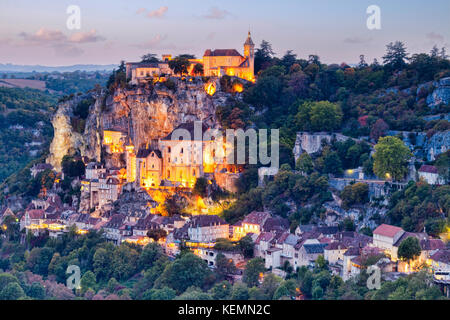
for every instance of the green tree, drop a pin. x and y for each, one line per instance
(200, 187)
(149, 58)
(325, 116)
(179, 65)
(239, 292)
(88, 281)
(149, 255)
(270, 284)
(37, 291)
(164, 293)
(304, 163)
(252, 271)
(12, 291)
(409, 249)
(221, 290)
(395, 57)
(390, 158)
(186, 271)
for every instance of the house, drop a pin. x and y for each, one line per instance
(440, 263)
(252, 223)
(350, 254)
(302, 228)
(112, 228)
(6, 212)
(207, 228)
(309, 253)
(430, 174)
(334, 252)
(385, 237)
(40, 167)
(262, 243)
(140, 72)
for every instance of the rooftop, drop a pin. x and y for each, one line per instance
(387, 230)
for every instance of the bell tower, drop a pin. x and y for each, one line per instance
(249, 53)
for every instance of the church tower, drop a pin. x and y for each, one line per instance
(249, 52)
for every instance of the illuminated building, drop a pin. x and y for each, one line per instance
(207, 229)
(149, 167)
(113, 140)
(252, 223)
(230, 62)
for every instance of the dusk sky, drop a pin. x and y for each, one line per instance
(35, 32)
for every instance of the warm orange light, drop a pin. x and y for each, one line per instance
(238, 87)
(210, 88)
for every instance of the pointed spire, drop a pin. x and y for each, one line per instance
(249, 39)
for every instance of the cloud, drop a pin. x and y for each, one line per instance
(153, 42)
(435, 36)
(62, 44)
(216, 13)
(159, 13)
(85, 37)
(44, 36)
(141, 10)
(357, 40)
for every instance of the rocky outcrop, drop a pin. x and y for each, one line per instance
(440, 94)
(65, 140)
(313, 142)
(422, 146)
(437, 144)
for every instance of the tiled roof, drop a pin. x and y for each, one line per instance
(432, 244)
(275, 223)
(387, 230)
(428, 169)
(115, 221)
(353, 251)
(264, 236)
(222, 53)
(190, 128)
(206, 221)
(313, 248)
(336, 246)
(36, 214)
(256, 217)
(144, 153)
(328, 230)
(443, 255)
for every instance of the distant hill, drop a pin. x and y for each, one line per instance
(38, 68)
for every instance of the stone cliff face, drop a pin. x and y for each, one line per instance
(440, 94)
(312, 142)
(142, 113)
(147, 113)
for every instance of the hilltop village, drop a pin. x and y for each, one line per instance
(136, 170)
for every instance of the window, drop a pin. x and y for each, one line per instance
(169, 149)
(181, 150)
(168, 173)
